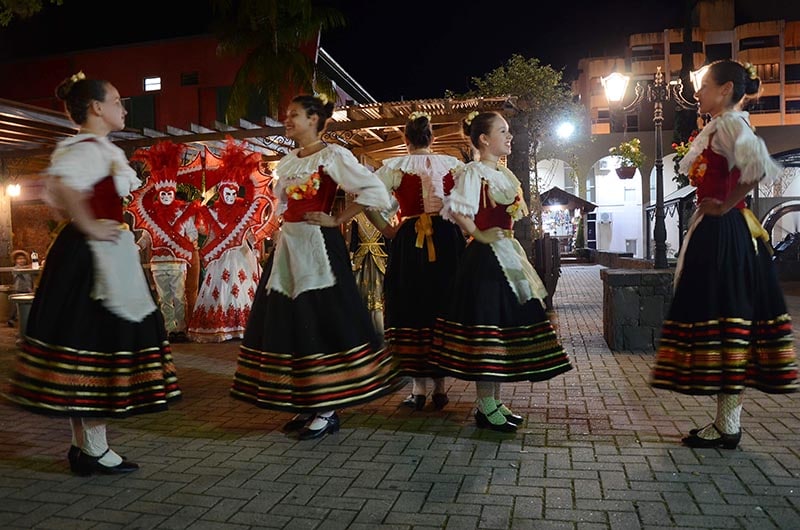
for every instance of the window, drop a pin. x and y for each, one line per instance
(765, 104)
(630, 195)
(190, 79)
(676, 48)
(141, 111)
(151, 84)
(716, 52)
(793, 73)
(769, 41)
(769, 73)
(792, 106)
(647, 52)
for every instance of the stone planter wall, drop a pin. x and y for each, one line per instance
(635, 302)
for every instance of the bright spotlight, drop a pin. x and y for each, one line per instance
(565, 130)
(13, 190)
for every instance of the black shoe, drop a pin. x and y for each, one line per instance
(180, 336)
(439, 401)
(72, 455)
(331, 426)
(516, 419)
(726, 441)
(87, 464)
(297, 423)
(416, 402)
(482, 421)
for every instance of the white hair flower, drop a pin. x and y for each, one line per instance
(417, 114)
(470, 117)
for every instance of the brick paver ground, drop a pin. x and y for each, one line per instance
(600, 449)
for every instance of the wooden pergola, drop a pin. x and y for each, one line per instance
(373, 132)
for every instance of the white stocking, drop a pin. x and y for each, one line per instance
(728, 419)
(76, 426)
(95, 443)
(418, 388)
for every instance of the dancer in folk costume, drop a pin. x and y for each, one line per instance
(95, 345)
(231, 264)
(368, 250)
(727, 328)
(310, 346)
(494, 328)
(423, 255)
(168, 227)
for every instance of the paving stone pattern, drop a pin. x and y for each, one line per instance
(600, 450)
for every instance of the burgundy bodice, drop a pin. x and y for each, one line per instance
(322, 201)
(710, 174)
(409, 194)
(491, 214)
(104, 202)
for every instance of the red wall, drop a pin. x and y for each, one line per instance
(34, 81)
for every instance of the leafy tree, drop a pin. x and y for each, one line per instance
(272, 35)
(541, 100)
(21, 9)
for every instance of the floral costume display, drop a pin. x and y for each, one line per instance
(310, 344)
(423, 256)
(728, 327)
(95, 343)
(495, 327)
(231, 264)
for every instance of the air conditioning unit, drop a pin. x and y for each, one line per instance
(606, 218)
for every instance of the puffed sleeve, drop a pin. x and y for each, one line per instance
(391, 177)
(354, 178)
(743, 149)
(465, 196)
(80, 165)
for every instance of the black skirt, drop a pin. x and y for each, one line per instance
(77, 358)
(486, 334)
(417, 289)
(316, 352)
(727, 327)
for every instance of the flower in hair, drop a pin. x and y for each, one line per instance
(470, 117)
(77, 77)
(323, 98)
(417, 114)
(752, 73)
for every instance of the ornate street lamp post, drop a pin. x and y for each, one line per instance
(657, 93)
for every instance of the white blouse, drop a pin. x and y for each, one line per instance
(732, 137)
(342, 166)
(431, 170)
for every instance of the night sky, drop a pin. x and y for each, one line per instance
(396, 50)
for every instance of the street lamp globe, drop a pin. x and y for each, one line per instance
(615, 86)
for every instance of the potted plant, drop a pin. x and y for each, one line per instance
(680, 151)
(630, 157)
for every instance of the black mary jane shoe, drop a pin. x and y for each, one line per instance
(87, 464)
(297, 423)
(439, 401)
(72, 455)
(415, 401)
(516, 419)
(482, 421)
(726, 441)
(331, 426)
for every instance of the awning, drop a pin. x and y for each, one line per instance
(555, 196)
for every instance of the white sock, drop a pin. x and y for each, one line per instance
(729, 413)
(320, 420)
(76, 426)
(94, 437)
(418, 387)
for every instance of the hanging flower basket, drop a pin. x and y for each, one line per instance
(626, 172)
